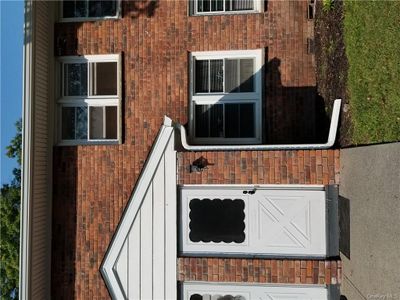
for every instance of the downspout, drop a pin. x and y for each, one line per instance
(330, 142)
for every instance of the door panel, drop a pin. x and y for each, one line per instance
(262, 221)
(288, 222)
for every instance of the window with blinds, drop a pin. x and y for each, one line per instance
(225, 6)
(226, 96)
(224, 75)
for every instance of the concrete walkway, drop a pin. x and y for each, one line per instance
(370, 222)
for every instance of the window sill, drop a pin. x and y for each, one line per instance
(224, 141)
(88, 143)
(227, 13)
(88, 19)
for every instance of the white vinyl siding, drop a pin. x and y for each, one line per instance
(141, 260)
(41, 208)
(35, 254)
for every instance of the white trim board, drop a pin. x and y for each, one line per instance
(314, 187)
(27, 150)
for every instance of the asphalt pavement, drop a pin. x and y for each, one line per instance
(369, 207)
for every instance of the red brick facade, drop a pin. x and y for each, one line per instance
(259, 270)
(92, 184)
(262, 167)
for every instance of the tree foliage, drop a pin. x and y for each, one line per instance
(10, 197)
(14, 150)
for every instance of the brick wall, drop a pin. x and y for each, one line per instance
(262, 167)
(259, 270)
(92, 184)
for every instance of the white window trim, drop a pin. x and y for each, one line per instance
(258, 8)
(118, 15)
(214, 98)
(89, 101)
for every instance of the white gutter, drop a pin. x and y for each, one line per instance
(27, 150)
(328, 144)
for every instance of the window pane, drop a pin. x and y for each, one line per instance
(217, 5)
(228, 5)
(239, 120)
(216, 120)
(68, 9)
(231, 75)
(239, 83)
(246, 75)
(96, 122)
(80, 9)
(232, 121)
(202, 120)
(68, 123)
(75, 79)
(209, 120)
(111, 122)
(216, 75)
(217, 220)
(105, 78)
(100, 8)
(81, 123)
(201, 74)
(247, 129)
(241, 5)
(203, 5)
(220, 5)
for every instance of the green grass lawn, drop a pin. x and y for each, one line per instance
(372, 39)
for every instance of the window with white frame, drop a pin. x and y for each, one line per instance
(226, 96)
(90, 99)
(200, 7)
(74, 10)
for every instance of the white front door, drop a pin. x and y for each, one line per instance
(265, 221)
(211, 291)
